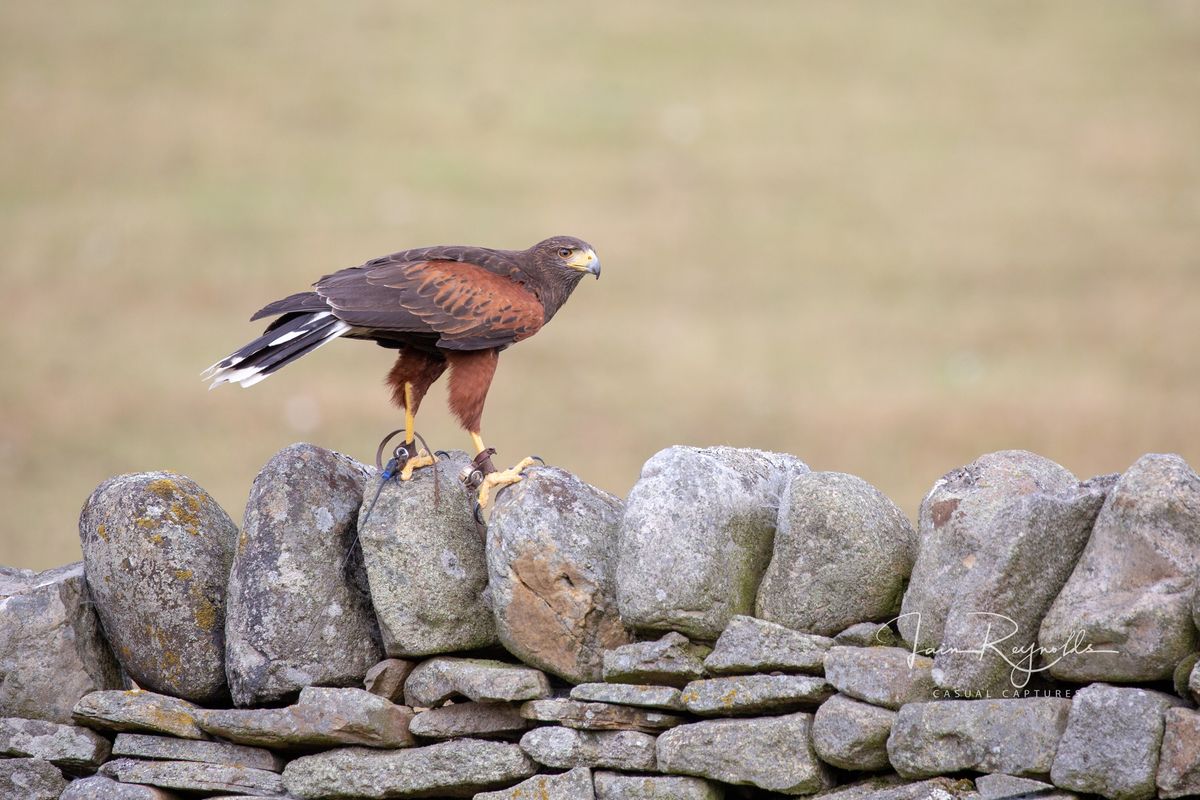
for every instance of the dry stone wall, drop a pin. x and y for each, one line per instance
(740, 627)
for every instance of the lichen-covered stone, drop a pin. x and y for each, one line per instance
(138, 710)
(457, 768)
(843, 552)
(696, 537)
(552, 550)
(157, 551)
(598, 716)
(52, 651)
(567, 748)
(101, 787)
(574, 784)
(425, 562)
(773, 753)
(1016, 736)
(1112, 742)
(852, 735)
(749, 645)
(480, 720)
(298, 611)
(884, 676)
(62, 745)
(480, 679)
(1179, 760)
(671, 660)
(892, 787)
(628, 694)
(322, 717)
(739, 695)
(1132, 589)
(999, 786)
(954, 531)
(168, 748)
(615, 786)
(387, 678)
(30, 779)
(195, 776)
(868, 634)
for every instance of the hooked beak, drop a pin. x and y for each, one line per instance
(587, 261)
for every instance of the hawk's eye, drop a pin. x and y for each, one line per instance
(564, 252)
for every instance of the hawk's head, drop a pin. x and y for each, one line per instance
(565, 255)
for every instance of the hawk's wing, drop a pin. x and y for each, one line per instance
(467, 305)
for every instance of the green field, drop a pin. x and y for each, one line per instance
(884, 237)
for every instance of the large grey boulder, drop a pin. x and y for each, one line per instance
(843, 553)
(672, 660)
(1131, 592)
(1179, 760)
(52, 651)
(322, 717)
(883, 676)
(157, 551)
(696, 537)
(773, 753)
(852, 735)
(298, 611)
(615, 786)
(575, 784)
(960, 528)
(30, 779)
(1017, 736)
(62, 745)
(457, 768)
(139, 710)
(437, 680)
(749, 645)
(567, 748)
(195, 776)
(1112, 742)
(552, 552)
(740, 695)
(425, 562)
(101, 787)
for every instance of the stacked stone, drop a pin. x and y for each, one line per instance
(740, 627)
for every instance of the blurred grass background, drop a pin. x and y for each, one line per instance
(884, 238)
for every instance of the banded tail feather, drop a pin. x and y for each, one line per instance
(293, 335)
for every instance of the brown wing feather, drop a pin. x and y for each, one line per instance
(468, 306)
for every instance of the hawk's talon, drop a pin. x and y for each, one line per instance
(498, 480)
(421, 459)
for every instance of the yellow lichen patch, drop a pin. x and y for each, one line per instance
(183, 574)
(156, 538)
(146, 523)
(102, 531)
(164, 488)
(206, 613)
(728, 698)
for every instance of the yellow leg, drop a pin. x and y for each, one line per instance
(498, 480)
(477, 440)
(421, 459)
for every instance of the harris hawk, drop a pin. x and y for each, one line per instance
(439, 307)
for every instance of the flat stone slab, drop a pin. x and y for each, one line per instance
(666, 698)
(480, 679)
(751, 694)
(62, 745)
(485, 720)
(567, 748)
(1179, 761)
(749, 645)
(1018, 737)
(615, 786)
(884, 676)
(101, 787)
(195, 776)
(575, 784)
(458, 768)
(772, 753)
(852, 735)
(598, 716)
(671, 661)
(1112, 741)
(30, 779)
(138, 710)
(868, 634)
(387, 678)
(999, 786)
(168, 748)
(321, 718)
(892, 787)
